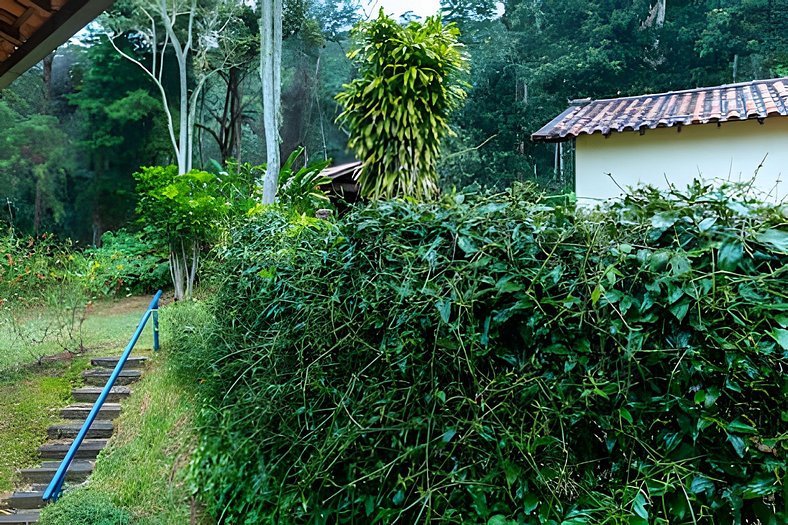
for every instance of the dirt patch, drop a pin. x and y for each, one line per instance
(126, 305)
(62, 356)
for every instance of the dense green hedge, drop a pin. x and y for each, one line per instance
(498, 359)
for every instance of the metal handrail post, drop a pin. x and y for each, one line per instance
(52, 492)
(156, 329)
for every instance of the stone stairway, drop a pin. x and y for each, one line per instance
(22, 507)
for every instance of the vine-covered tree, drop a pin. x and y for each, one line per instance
(397, 111)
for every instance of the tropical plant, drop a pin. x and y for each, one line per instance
(182, 212)
(125, 263)
(300, 190)
(397, 111)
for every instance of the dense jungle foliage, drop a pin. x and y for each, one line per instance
(497, 358)
(96, 117)
(31, 267)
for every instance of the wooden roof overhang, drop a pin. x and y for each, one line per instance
(31, 29)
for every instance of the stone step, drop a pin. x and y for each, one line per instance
(77, 472)
(25, 517)
(98, 430)
(109, 411)
(57, 450)
(100, 376)
(26, 500)
(111, 362)
(89, 394)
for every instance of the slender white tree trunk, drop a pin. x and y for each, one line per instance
(270, 76)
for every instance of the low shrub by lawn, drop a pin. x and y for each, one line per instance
(498, 359)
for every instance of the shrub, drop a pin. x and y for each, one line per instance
(84, 507)
(499, 359)
(126, 264)
(31, 265)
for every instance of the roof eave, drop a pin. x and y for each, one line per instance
(57, 30)
(543, 134)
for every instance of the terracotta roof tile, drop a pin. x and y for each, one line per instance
(748, 100)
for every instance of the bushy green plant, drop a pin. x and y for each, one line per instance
(84, 507)
(125, 263)
(180, 212)
(299, 189)
(498, 359)
(398, 110)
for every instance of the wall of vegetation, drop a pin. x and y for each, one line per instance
(498, 359)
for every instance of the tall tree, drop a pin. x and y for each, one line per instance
(120, 124)
(271, 78)
(192, 34)
(397, 111)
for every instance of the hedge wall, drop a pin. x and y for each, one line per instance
(500, 359)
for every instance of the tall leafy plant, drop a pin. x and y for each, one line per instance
(300, 189)
(181, 211)
(397, 111)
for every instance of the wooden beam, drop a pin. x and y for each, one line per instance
(24, 18)
(56, 30)
(10, 33)
(43, 6)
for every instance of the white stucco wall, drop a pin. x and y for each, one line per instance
(732, 151)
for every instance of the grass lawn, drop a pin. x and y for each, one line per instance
(32, 392)
(108, 326)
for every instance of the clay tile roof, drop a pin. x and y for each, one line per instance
(31, 29)
(758, 99)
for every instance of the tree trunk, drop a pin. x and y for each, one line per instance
(270, 76)
(39, 205)
(48, 76)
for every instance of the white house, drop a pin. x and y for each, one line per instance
(733, 132)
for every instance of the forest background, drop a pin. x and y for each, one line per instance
(77, 127)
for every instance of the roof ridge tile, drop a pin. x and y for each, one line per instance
(729, 102)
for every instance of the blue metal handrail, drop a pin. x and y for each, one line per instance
(56, 485)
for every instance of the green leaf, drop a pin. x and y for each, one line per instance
(706, 224)
(701, 483)
(624, 413)
(737, 443)
(444, 309)
(700, 397)
(170, 191)
(597, 294)
(729, 255)
(639, 505)
(679, 264)
(680, 310)
(530, 502)
(663, 221)
(777, 239)
(369, 505)
(781, 336)
(467, 245)
(741, 427)
(398, 497)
